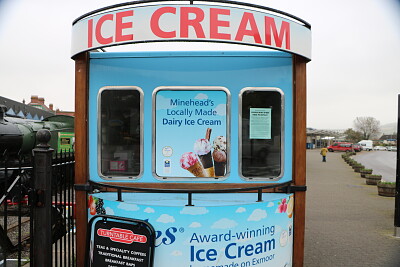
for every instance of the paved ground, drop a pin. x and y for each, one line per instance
(381, 162)
(347, 223)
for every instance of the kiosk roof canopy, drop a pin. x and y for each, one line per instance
(216, 21)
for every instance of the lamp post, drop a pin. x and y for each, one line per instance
(397, 196)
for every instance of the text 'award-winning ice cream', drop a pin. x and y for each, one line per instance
(190, 162)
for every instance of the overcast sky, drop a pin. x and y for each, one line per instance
(355, 67)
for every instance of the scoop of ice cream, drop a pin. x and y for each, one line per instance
(188, 159)
(219, 156)
(220, 143)
(202, 147)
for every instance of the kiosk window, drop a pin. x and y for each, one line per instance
(261, 133)
(120, 138)
(191, 137)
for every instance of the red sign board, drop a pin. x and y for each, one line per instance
(116, 241)
(121, 235)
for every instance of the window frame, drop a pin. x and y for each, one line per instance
(99, 136)
(240, 133)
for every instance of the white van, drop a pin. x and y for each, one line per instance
(366, 145)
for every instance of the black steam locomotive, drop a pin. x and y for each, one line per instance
(18, 139)
(18, 136)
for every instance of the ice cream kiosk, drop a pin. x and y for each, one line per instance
(190, 158)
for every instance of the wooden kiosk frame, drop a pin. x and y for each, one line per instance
(298, 184)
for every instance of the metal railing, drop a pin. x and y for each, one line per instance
(35, 192)
(15, 174)
(286, 187)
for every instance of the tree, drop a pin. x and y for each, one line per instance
(353, 136)
(368, 126)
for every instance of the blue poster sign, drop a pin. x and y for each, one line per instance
(191, 132)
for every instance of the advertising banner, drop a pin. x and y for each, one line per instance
(190, 23)
(236, 232)
(120, 242)
(191, 132)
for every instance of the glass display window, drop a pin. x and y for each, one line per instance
(120, 132)
(191, 133)
(261, 133)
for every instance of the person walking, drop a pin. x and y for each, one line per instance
(323, 153)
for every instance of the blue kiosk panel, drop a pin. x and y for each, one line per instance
(242, 99)
(220, 230)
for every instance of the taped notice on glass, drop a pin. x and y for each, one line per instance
(260, 123)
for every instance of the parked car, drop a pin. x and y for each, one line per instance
(357, 147)
(392, 148)
(380, 148)
(367, 145)
(341, 146)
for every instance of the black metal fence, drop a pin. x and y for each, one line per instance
(37, 208)
(63, 216)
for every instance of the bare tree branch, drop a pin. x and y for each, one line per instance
(368, 126)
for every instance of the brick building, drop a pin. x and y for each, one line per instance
(38, 102)
(36, 109)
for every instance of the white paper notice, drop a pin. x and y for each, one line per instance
(260, 123)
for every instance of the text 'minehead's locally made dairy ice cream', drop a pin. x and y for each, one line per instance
(190, 162)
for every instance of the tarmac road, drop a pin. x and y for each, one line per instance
(381, 162)
(347, 223)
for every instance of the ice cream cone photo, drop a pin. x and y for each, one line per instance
(190, 162)
(202, 147)
(209, 172)
(206, 161)
(219, 155)
(219, 143)
(197, 170)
